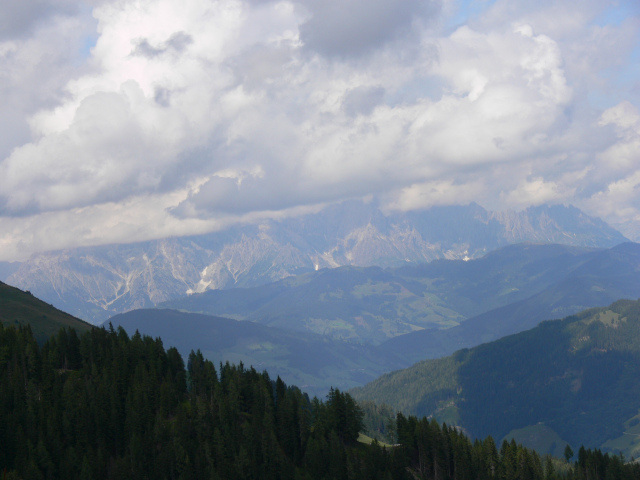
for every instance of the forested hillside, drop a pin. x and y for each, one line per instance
(106, 405)
(578, 376)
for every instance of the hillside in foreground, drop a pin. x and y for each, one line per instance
(22, 308)
(104, 405)
(579, 377)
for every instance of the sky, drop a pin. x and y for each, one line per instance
(130, 120)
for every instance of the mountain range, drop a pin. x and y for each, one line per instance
(565, 381)
(95, 283)
(344, 327)
(337, 327)
(430, 310)
(556, 286)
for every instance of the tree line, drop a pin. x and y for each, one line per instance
(106, 405)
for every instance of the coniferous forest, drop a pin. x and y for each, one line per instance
(106, 405)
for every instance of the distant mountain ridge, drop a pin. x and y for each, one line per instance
(96, 282)
(586, 280)
(321, 328)
(431, 310)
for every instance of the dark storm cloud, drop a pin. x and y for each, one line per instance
(354, 27)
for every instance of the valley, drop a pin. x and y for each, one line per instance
(313, 362)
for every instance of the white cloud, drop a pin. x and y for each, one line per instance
(19, 19)
(438, 192)
(535, 191)
(618, 167)
(230, 108)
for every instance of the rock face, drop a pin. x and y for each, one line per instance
(98, 282)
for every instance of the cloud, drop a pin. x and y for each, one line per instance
(506, 92)
(36, 63)
(18, 19)
(106, 223)
(362, 100)
(347, 28)
(535, 191)
(116, 145)
(177, 43)
(438, 192)
(260, 64)
(618, 169)
(237, 109)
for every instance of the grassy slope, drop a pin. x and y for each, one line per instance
(629, 441)
(541, 438)
(362, 438)
(22, 308)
